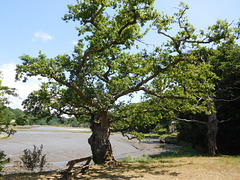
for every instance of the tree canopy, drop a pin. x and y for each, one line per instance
(102, 68)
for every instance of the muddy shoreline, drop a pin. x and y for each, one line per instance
(63, 144)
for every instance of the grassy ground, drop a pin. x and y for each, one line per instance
(3, 136)
(224, 167)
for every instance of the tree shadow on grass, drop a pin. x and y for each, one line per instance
(122, 171)
(183, 150)
(131, 170)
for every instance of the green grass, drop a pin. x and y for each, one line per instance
(169, 138)
(144, 158)
(2, 136)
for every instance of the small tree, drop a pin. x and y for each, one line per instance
(4, 127)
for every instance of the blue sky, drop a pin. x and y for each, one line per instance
(28, 26)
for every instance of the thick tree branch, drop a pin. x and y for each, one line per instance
(85, 56)
(226, 100)
(118, 118)
(134, 21)
(138, 86)
(162, 97)
(90, 102)
(116, 42)
(92, 20)
(128, 137)
(71, 111)
(105, 76)
(187, 120)
(229, 119)
(138, 112)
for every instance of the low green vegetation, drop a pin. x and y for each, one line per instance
(168, 138)
(144, 158)
(3, 160)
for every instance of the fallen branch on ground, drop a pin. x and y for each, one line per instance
(73, 162)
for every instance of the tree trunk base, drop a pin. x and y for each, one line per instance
(212, 134)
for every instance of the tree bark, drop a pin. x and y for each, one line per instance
(99, 141)
(212, 134)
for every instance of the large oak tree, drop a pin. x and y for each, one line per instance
(89, 83)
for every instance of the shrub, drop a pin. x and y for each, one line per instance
(169, 138)
(3, 160)
(144, 158)
(34, 159)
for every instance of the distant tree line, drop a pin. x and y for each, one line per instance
(18, 117)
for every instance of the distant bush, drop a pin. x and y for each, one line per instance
(169, 138)
(34, 159)
(161, 131)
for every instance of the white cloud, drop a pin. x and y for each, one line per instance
(43, 36)
(23, 89)
(74, 42)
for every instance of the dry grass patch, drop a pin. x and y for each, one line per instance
(3, 136)
(205, 168)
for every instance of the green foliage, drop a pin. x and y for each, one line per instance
(224, 62)
(34, 159)
(160, 130)
(101, 70)
(169, 138)
(144, 158)
(4, 91)
(3, 160)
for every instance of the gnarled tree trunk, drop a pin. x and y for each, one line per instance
(99, 140)
(212, 125)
